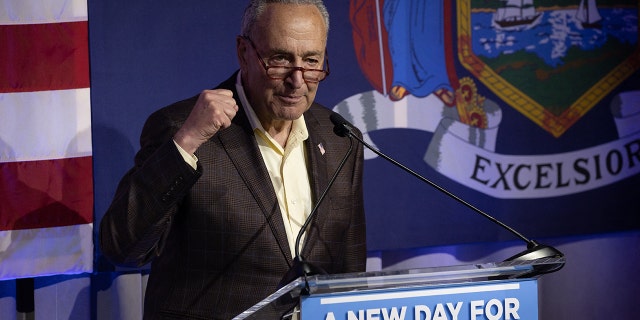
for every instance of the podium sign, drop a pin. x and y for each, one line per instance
(489, 291)
(492, 300)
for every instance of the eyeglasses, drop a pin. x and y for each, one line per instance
(282, 72)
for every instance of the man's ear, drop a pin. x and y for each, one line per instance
(241, 51)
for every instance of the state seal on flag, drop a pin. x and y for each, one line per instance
(552, 64)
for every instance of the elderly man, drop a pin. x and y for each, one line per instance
(224, 181)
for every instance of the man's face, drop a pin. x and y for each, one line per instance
(287, 35)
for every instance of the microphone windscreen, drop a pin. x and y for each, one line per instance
(341, 126)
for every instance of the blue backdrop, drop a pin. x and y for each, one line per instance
(147, 54)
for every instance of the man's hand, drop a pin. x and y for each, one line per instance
(212, 112)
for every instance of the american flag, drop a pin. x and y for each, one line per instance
(46, 183)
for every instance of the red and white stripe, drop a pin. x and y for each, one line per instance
(46, 174)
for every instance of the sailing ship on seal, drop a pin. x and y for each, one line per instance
(516, 13)
(588, 14)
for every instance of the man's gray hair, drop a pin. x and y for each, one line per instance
(257, 7)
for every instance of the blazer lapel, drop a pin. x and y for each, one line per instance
(318, 176)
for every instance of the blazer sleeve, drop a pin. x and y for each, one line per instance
(148, 196)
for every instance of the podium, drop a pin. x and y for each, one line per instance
(503, 290)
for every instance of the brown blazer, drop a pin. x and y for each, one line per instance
(215, 235)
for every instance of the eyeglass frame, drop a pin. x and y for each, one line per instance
(291, 69)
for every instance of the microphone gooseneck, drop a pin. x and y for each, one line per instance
(534, 250)
(301, 267)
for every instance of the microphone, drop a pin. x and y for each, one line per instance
(534, 250)
(300, 267)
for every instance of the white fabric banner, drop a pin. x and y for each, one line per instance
(38, 11)
(46, 251)
(45, 125)
(467, 155)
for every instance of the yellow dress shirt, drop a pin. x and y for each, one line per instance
(287, 168)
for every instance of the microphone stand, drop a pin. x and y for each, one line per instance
(534, 250)
(301, 267)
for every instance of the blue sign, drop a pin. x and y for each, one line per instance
(487, 301)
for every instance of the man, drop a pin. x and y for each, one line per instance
(224, 181)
